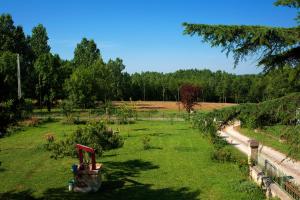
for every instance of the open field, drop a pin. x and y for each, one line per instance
(173, 105)
(145, 110)
(177, 166)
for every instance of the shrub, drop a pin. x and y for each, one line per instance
(33, 121)
(292, 135)
(97, 136)
(67, 107)
(146, 142)
(246, 186)
(49, 140)
(13, 110)
(223, 155)
(125, 114)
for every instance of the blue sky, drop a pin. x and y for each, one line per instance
(146, 34)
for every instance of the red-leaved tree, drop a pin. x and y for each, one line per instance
(188, 96)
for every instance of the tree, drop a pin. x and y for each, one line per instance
(12, 37)
(8, 76)
(39, 41)
(116, 67)
(189, 94)
(277, 46)
(86, 53)
(13, 40)
(88, 84)
(47, 67)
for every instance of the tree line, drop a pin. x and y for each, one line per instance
(87, 78)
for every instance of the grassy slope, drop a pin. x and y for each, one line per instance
(269, 136)
(177, 167)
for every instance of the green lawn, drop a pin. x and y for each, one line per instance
(178, 166)
(269, 136)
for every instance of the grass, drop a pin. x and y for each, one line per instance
(176, 166)
(269, 136)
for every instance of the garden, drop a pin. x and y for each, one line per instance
(152, 160)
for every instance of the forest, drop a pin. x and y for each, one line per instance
(87, 78)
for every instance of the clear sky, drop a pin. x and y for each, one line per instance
(146, 34)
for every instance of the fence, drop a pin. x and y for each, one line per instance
(277, 176)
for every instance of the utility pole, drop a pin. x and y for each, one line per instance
(178, 94)
(144, 92)
(163, 93)
(19, 77)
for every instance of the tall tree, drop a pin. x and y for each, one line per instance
(88, 84)
(86, 53)
(47, 67)
(13, 40)
(39, 41)
(117, 67)
(8, 76)
(276, 46)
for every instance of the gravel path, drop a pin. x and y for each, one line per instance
(288, 166)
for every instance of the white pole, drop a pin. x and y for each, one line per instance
(19, 77)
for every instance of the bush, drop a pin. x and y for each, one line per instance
(146, 142)
(13, 110)
(33, 121)
(97, 136)
(248, 187)
(125, 114)
(292, 135)
(277, 111)
(223, 155)
(67, 107)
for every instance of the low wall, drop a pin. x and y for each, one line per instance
(271, 189)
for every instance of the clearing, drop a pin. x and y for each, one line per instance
(177, 166)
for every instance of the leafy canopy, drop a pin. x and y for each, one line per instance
(276, 46)
(86, 53)
(39, 40)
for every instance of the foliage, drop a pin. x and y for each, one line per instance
(277, 46)
(8, 80)
(112, 83)
(250, 188)
(216, 86)
(13, 110)
(47, 67)
(188, 96)
(277, 111)
(88, 84)
(97, 136)
(125, 114)
(86, 53)
(146, 142)
(66, 107)
(223, 155)
(292, 136)
(33, 121)
(39, 41)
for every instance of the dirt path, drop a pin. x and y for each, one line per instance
(288, 166)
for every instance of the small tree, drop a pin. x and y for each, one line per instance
(188, 95)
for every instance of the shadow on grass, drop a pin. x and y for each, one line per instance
(155, 148)
(115, 170)
(109, 155)
(186, 149)
(135, 191)
(120, 185)
(140, 129)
